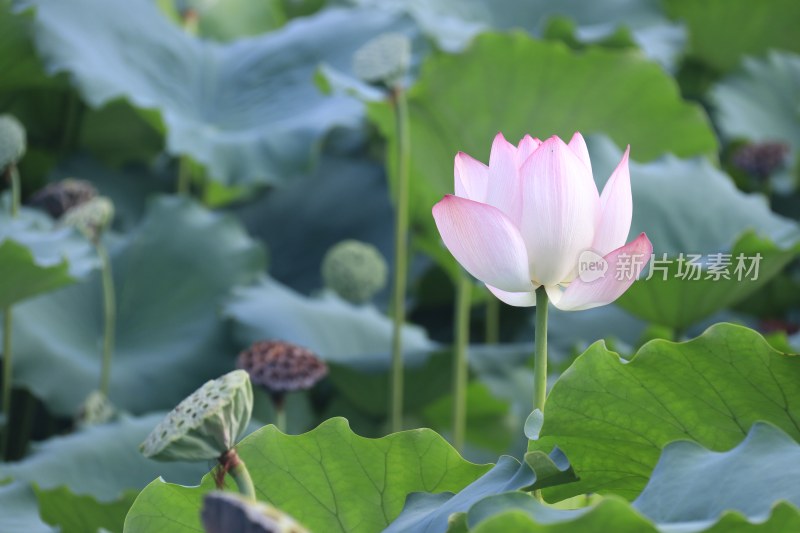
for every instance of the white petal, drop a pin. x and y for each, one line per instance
(517, 299)
(578, 145)
(486, 243)
(525, 148)
(624, 266)
(504, 190)
(616, 209)
(471, 178)
(560, 210)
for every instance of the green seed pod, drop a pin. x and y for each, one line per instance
(224, 512)
(384, 59)
(355, 270)
(91, 218)
(12, 141)
(59, 197)
(96, 409)
(206, 424)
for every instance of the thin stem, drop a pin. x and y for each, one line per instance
(109, 317)
(400, 256)
(244, 482)
(280, 419)
(16, 193)
(540, 356)
(460, 360)
(184, 176)
(492, 320)
(7, 369)
(13, 175)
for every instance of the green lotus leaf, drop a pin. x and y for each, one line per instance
(170, 338)
(246, 110)
(760, 103)
(692, 489)
(612, 418)
(759, 26)
(328, 479)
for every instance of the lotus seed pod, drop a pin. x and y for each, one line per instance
(384, 59)
(355, 270)
(206, 424)
(281, 367)
(12, 141)
(761, 160)
(59, 197)
(96, 409)
(224, 512)
(91, 218)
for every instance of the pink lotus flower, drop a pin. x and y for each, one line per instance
(525, 220)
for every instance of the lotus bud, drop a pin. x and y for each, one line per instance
(355, 270)
(12, 141)
(96, 409)
(91, 218)
(59, 197)
(207, 424)
(761, 160)
(224, 512)
(280, 367)
(383, 60)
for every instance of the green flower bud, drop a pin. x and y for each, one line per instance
(354, 270)
(224, 512)
(281, 367)
(384, 59)
(91, 218)
(12, 141)
(59, 197)
(206, 424)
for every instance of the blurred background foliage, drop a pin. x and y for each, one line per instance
(285, 151)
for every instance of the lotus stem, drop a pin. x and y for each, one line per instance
(184, 176)
(400, 256)
(13, 176)
(540, 355)
(461, 360)
(244, 482)
(109, 317)
(492, 320)
(280, 419)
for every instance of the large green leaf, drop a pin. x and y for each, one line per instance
(761, 103)
(335, 329)
(429, 513)
(329, 479)
(514, 84)
(722, 31)
(691, 207)
(170, 275)
(21, 277)
(612, 418)
(454, 23)
(750, 487)
(86, 479)
(247, 110)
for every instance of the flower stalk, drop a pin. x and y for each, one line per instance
(8, 366)
(400, 105)
(109, 317)
(461, 359)
(540, 354)
(230, 463)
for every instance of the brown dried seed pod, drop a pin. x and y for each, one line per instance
(59, 197)
(281, 367)
(761, 160)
